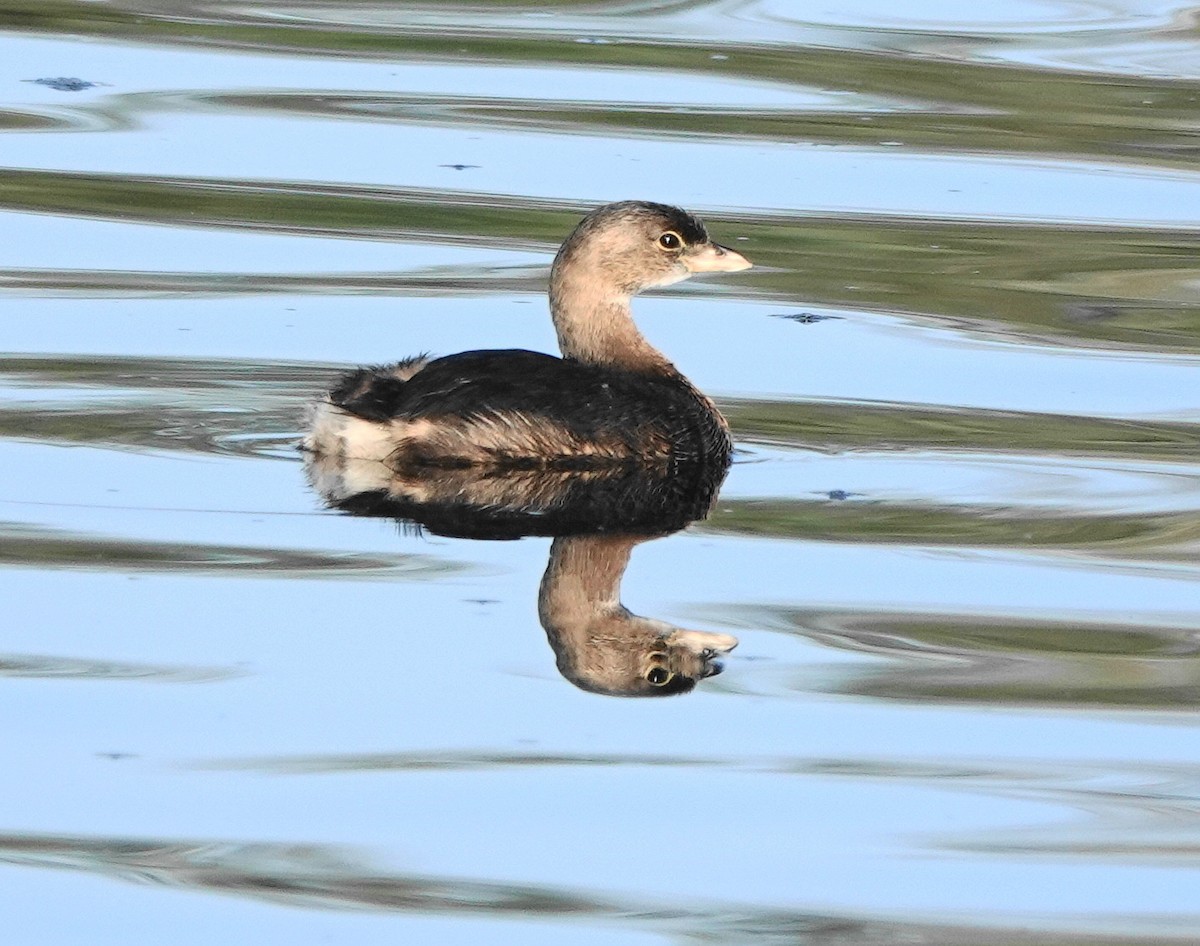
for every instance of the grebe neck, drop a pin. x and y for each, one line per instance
(595, 326)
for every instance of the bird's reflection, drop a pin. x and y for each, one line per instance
(603, 647)
(596, 516)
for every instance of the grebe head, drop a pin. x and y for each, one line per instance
(617, 251)
(626, 247)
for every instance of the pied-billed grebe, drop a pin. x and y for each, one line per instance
(611, 397)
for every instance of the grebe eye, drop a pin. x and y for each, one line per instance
(670, 240)
(658, 676)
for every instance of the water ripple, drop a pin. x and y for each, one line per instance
(331, 878)
(77, 668)
(982, 659)
(30, 546)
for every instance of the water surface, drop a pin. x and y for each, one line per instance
(960, 543)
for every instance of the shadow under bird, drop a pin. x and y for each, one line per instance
(611, 397)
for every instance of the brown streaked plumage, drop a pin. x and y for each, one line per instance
(611, 399)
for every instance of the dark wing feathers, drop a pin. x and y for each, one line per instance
(368, 393)
(592, 402)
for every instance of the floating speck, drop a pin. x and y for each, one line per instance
(804, 318)
(64, 84)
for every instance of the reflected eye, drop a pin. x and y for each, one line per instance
(658, 676)
(670, 240)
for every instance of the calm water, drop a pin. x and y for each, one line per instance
(960, 544)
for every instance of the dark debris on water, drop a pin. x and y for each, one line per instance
(804, 318)
(64, 83)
